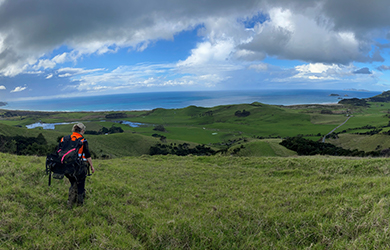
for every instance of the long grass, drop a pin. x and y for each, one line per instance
(168, 202)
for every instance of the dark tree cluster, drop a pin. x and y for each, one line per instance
(326, 112)
(162, 138)
(26, 113)
(229, 143)
(243, 113)
(384, 97)
(116, 116)
(355, 102)
(308, 147)
(267, 137)
(8, 114)
(371, 132)
(105, 130)
(159, 128)
(180, 150)
(374, 130)
(207, 113)
(22, 145)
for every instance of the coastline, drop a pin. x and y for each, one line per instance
(177, 100)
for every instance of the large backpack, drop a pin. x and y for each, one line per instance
(65, 160)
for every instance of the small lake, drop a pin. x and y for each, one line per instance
(131, 124)
(52, 125)
(47, 125)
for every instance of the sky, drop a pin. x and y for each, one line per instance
(73, 48)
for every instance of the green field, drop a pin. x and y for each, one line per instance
(169, 202)
(215, 127)
(254, 194)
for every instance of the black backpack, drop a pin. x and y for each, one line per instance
(65, 160)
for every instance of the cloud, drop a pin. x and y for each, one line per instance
(208, 52)
(44, 64)
(383, 68)
(18, 89)
(150, 76)
(259, 67)
(31, 30)
(68, 72)
(2, 87)
(318, 71)
(363, 71)
(51, 39)
(300, 36)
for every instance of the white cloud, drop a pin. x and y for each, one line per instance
(2, 87)
(259, 67)
(206, 53)
(148, 75)
(301, 36)
(318, 71)
(49, 76)
(65, 75)
(61, 58)
(18, 89)
(69, 72)
(44, 64)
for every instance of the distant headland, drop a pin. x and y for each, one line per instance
(361, 90)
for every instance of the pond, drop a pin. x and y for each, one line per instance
(131, 124)
(47, 125)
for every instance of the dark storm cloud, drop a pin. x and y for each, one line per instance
(365, 71)
(42, 23)
(359, 16)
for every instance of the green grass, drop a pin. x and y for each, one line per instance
(261, 148)
(210, 126)
(168, 202)
(361, 142)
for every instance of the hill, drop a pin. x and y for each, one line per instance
(241, 130)
(384, 97)
(170, 202)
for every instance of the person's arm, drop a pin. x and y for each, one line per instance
(88, 155)
(90, 164)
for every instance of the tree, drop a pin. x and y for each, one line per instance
(159, 128)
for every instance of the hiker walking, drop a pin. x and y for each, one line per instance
(77, 181)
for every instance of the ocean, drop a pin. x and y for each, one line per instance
(172, 100)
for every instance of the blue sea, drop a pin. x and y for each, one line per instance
(171, 100)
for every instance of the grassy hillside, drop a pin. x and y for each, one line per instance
(167, 202)
(215, 127)
(260, 148)
(208, 124)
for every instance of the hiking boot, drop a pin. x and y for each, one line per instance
(72, 197)
(80, 199)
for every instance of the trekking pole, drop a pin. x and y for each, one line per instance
(89, 171)
(48, 171)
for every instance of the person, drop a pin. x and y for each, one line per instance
(77, 182)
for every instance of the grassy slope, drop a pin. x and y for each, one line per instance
(362, 142)
(169, 202)
(374, 116)
(264, 120)
(114, 145)
(260, 148)
(196, 126)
